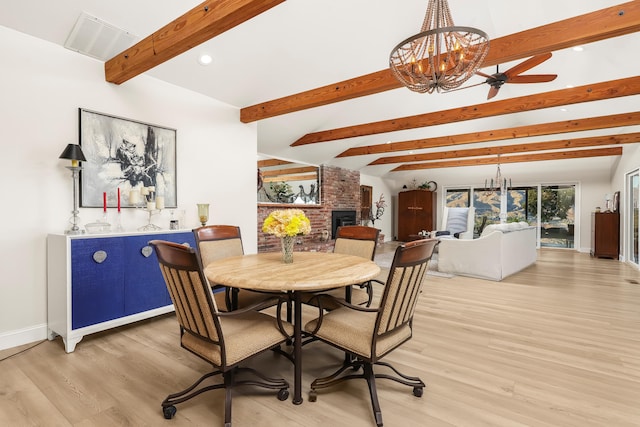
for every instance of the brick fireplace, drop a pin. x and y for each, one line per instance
(339, 191)
(340, 218)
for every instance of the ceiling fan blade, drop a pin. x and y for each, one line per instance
(532, 78)
(480, 73)
(492, 92)
(529, 63)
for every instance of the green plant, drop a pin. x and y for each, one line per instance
(428, 185)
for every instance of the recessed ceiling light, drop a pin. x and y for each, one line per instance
(578, 48)
(205, 59)
(563, 109)
(569, 86)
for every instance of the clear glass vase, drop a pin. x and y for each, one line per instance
(287, 249)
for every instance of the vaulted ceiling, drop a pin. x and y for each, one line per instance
(314, 78)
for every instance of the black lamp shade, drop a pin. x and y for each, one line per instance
(73, 152)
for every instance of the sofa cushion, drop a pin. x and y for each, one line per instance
(490, 229)
(457, 220)
(511, 226)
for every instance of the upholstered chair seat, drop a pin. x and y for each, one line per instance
(367, 334)
(222, 241)
(223, 339)
(354, 240)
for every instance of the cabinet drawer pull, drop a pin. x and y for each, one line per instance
(147, 251)
(99, 256)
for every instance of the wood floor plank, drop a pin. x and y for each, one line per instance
(557, 344)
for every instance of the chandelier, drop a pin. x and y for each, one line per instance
(442, 56)
(499, 184)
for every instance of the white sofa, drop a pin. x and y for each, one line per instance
(501, 250)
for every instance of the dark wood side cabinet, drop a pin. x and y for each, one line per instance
(416, 212)
(605, 234)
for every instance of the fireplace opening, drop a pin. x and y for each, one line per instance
(340, 218)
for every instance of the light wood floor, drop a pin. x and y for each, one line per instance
(555, 345)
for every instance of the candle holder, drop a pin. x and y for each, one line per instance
(74, 222)
(149, 206)
(203, 213)
(150, 226)
(118, 224)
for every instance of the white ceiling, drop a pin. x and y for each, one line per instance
(303, 44)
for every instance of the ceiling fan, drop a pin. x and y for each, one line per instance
(512, 75)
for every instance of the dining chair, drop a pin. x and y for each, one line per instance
(221, 241)
(368, 334)
(223, 339)
(355, 240)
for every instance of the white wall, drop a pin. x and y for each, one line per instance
(628, 163)
(380, 186)
(591, 195)
(42, 85)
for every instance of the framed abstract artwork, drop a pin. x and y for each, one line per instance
(124, 157)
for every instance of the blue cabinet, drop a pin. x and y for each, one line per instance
(97, 282)
(144, 287)
(97, 277)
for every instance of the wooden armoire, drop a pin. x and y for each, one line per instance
(605, 234)
(416, 212)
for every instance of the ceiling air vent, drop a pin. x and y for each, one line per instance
(98, 39)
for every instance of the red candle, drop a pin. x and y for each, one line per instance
(118, 199)
(104, 201)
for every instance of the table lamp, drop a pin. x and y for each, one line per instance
(74, 153)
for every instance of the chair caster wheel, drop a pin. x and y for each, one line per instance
(417, 391)
(283, 394)
(169, 412)
(313, 396)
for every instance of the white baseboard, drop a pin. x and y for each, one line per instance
(23, 336)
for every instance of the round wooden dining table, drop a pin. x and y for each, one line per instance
(310, 271)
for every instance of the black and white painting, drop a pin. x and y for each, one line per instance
(127, 155)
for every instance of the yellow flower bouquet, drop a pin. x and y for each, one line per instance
(287, 224)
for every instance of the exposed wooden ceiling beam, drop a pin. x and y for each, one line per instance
(599, 25)
(593, 141)
(202, 23)
(592, 92)
(289, 171)
(272, 162)
(286, 178)
(540, 129)
(518, 158)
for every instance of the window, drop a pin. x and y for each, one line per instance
(522, 205)
(557, 215)
(633, 194)
(457, 198)
(487, 204)
(549, 207)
